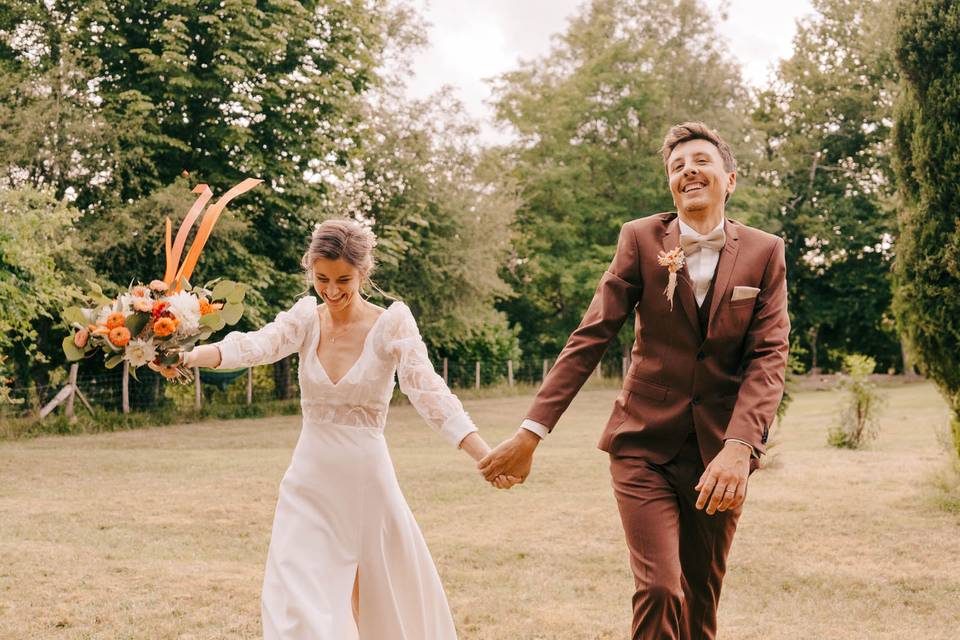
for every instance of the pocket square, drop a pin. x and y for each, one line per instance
(744, 293)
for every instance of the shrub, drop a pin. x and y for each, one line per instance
(858, 420)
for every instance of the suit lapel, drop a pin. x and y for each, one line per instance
(671, 239)
(728, 258)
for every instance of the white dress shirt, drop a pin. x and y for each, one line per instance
(701, 264)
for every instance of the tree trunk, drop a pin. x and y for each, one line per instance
(281, 379)
(812, 335)
(908, 368)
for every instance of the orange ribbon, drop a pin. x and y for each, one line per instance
(175, 282)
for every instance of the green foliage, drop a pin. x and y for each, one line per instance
(825, 126)
(590, 117)
(927, 147)
(106, 420)
(858, 421)
(38, 272)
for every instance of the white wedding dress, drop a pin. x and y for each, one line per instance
(340, 512)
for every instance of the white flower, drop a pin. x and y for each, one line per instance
(126, 304)
(102, 314)
(140, 352)
(186, 308)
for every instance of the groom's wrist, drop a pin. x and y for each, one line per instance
(535, 427)
(747, 445)
(527, 437)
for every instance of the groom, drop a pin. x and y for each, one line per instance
(705, 379)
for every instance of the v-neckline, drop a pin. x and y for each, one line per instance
(363, 349)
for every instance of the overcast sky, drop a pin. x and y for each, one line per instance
(470, 41)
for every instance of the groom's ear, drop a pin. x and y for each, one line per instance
(731, 185)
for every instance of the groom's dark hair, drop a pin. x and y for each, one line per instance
(697, 131)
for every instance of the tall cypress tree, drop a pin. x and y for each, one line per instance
(927, 144)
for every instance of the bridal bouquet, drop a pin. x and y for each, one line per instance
(149, 323)
(156, 322)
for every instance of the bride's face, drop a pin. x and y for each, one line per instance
(337, 282)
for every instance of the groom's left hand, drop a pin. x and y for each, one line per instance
(723, 485)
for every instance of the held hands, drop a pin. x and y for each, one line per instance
(723, 484)
(477, 448)
(511, 459)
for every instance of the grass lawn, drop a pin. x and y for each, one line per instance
(162, 532)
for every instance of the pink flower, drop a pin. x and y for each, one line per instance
(80, 338)
(158, 285)
(140, 291)
(143, 304)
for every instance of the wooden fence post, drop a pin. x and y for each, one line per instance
(250, 385)
(446, 371)
(125, 387)
(546, 370)
(624, 366)
(510, 372)
(197, 395)
(73, 385)
(478, 374)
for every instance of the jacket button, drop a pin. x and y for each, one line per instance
(696, 399)
(700, 355)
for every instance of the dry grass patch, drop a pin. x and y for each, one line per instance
(162, 533)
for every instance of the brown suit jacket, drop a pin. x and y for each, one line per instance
(726, 384)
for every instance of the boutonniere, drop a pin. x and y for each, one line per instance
(673, 260)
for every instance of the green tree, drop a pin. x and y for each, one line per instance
(221, 89)
(589, 118)
(826, 124)
(927, 145)
(441, 209)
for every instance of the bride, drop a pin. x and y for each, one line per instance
(346, 558)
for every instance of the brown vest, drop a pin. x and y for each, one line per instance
(703, 311)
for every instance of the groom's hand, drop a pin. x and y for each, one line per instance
(512, 457)
(723, 484)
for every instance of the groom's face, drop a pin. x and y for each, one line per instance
(698, 180)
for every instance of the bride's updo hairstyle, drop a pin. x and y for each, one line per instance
(341, 238)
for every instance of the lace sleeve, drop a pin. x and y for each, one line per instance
(274, 341)
(427, 391)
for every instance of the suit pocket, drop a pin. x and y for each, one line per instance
(644, 388)
(619, 414)
(742, 302)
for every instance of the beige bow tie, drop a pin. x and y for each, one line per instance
(713, 240)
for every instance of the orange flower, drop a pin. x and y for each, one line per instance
(164, 326)
(101, 330)
(119, 336)
(205, 307)
(115, 320)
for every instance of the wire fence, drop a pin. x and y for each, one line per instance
(117, 390)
